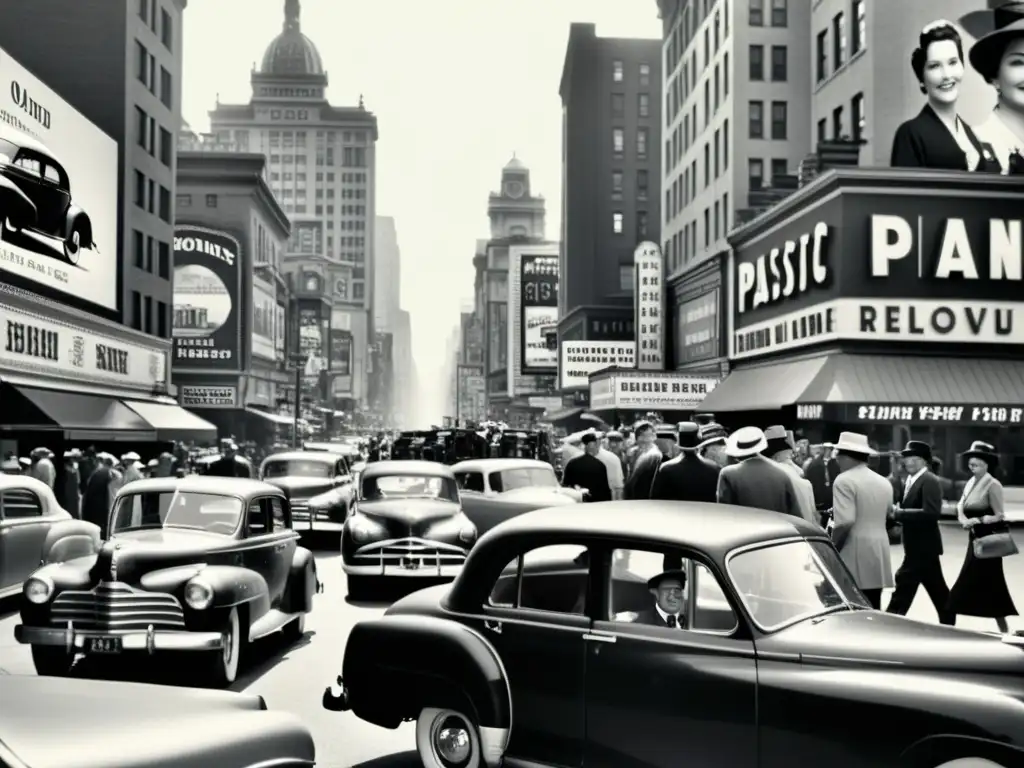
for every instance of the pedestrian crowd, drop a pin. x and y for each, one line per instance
(833, 486)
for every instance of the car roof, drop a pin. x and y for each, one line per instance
(223, 486)
(497, 465)
(325, 456)
(401, 467)
(27, 142)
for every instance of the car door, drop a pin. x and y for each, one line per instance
(536, 623)
(27, 172)
(53, 189)
(663, 697)
(258, 547)
(282, 551)
(23, 528)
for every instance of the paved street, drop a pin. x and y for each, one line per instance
(293, 678)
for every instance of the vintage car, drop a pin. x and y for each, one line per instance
(407, 522)
(317, 483)
(495, 490)
(548, 650)
(35, 195)
(37, 714)
(200, 564)
(35, 529)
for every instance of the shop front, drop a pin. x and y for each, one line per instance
(623, 397)
(698, 320)
(883, 302)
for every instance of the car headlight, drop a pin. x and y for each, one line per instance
(198, 595)
(38, 589)
(362, 529)
(467, 532)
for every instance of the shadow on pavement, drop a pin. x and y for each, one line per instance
(384, 591)
(398, 760)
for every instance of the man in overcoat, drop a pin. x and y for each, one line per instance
(755, 481)
(687, 477)
(781, 447)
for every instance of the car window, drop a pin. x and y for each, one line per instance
(552, 578)
(51, 174)
(256, 518)
(296, 468)
(20, 504)
(470, 481)
(523, 477)
(177, 509)
(29, 165)
(277, 514)
(341, 468)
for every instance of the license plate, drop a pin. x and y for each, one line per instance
(103, 645)
(411, 563)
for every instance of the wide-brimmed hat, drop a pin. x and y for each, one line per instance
(588, 438)
(981, 450)
(744, 442)
(655, 581)
(130, 456)
(854, 442)
(711, 434)
(688, 435)
(987, 53)
(779, 439)
(917, 448)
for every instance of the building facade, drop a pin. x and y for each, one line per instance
(388, 320)
(321, 166)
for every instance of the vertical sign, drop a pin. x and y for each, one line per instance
(648, 306)
(539, 292)
(313, 345)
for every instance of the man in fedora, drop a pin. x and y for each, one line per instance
(687, 477)
(861, 500)
(919, 513)
(587, 471)
(755, 481)
(713, 437)
(781, 447)
(668, 589)
(648, 464)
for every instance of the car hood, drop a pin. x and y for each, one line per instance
(554, 496)
(303, 487)
(867, 637)
(410, 511)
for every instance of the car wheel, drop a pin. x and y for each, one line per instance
(295, 629)
(446, 739)
(52, 661)
(73, 245)
(223, 664)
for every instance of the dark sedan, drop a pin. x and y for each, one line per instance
(317, 483)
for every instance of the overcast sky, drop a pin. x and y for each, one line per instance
(457, 86)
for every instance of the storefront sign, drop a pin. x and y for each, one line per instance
(697, 329)
(341, 352)
(207, 300)
(208, 397)
(789, 269)
(667, 392)
(547, 403)
(538, 283)
(810, 411)
(884, 413)
(35, 344)
(582, 358)
(648, 306)
(264, 316)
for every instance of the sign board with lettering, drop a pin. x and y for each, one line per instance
(977, 414)
(208, 397)
(83, 163)
(208, 326)
(697, 323)
(579, 359)
(532, 310)
(38, 345)
(649, 306)
(652, 392)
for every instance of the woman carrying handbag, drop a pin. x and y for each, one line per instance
(980, 589)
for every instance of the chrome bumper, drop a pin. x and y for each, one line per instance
(397, 571)
(148, 640)
(408, 557)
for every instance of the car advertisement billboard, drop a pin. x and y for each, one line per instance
(207, 324)
(58, 192)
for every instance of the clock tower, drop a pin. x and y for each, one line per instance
(513, 211)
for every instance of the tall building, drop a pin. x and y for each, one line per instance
(387, 266)
(321, 166)
(738, 113)
(611, 200)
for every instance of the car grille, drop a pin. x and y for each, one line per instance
(429, 554)
(300, 511)
(117, 606)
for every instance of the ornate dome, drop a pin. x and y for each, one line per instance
(291, 52)
(515, 164)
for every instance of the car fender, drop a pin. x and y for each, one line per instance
(302, 582)
(76, 215)
(939, 750)
(68, 539)
(397, 665)
(232, 585)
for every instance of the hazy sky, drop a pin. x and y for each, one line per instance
(457, 86)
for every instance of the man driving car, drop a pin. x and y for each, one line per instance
(667, 588)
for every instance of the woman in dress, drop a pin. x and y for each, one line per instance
(937, 137)
(980, 589)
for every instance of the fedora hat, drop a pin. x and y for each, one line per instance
(917, 448)
(854, 442)
(666, 432)
(688, 435)
(655, 581)
(712, 433)
(745, 442)
(779, 439)
(1007, 24)
(981, 450)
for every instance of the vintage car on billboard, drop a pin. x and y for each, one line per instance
(35, 529)
(407, 522)
(203, 565)
(133, 725)
(317, 483)
(643, 631)
(496, 490)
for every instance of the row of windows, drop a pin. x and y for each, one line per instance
(642, 228)
(289, 139)
(350, 157)
(152, 197)
(150, 254)
(679, 142)
(755, 171)
(643, 107)
(642, 185)
(857, 125)
(147, 10)
(779, 120)
(185, 201)
(154, 139)
(619, 142)
(779, 63)
(643, 73)
(681, 248)
(683, 189)
(686, 29)
(160, 85)
(146, 320)
(839, 54)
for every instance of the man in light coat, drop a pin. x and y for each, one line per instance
(755, 481)
(861, 501)
(781, 447)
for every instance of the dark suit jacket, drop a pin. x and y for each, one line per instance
(921, 536)
(641, 480)
(759, 483)
(652, 618)
(687, 477)
(925, 142)
(821, 475)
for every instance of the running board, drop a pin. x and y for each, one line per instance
(269, 623)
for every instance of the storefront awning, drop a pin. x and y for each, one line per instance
(173, 423)
(80, 417)
(765, 387)
(271, 417)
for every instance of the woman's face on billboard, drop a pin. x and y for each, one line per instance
(1010, 81)
(943, 71)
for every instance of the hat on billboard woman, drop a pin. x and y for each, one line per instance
(1001, 25)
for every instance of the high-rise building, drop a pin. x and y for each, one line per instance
(387, 266)
(321, 166)
(737, 113)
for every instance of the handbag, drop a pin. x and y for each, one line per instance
(994, 545)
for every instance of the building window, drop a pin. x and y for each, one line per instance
(780, 113)
(183, 201)
(141, 63)
(161, 320)
(150, 255)
(725, 145)
(211, 201)
(780, 63)
(165, 204)
(756, 112)
(645, 75)
(707, 227)
(144, 11)
(858, 117)
(644, 105)
(166, 30)
(725, 214)
(138, 252)
(136, 310)
(164, 261)
(618, 105)
(140, 189)
(718, 220)
(718, 153)
(779, 169)
(641, 143)
(707, 164)
(642, 185)
(641, 225)
(616, 185)
(626, 278)
(166, 147)
(860, 27)
(147, 315)
(755, 174)
(837, 123)
(141, 125)
(756, 13)
(617, 223)
(618, 141)
(166, 96)
(725, 73)
(838, 41)
(358, 291)
(822, 130)
(821, 56)
(780, 13)
(617, 71)
(757, 62)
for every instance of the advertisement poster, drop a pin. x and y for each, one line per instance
(312, 344)
(208, 397)
(280, 331)
(539, 299)
(207, 324)
(697, 323)
(664, 392)
(341, 352)
(582, 358)
(471, 393)
(70, 177)
(648, 306)
(264, 316)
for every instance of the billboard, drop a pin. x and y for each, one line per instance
(264, 317)
(313, 331)
(207, 326)
(66, 170)
(697, 322)
(533, 308)
(648, 306)
(341, 352)
(582, 358)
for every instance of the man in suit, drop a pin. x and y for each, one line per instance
(755, 481)
(781, 446)
(712, 444)
(922, 541)
(588, 471)
(687, 477)
(648, 464)
(668, 589)
(861, 500)
(821, 470)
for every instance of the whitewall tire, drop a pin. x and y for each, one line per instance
(446, 738)
(224, 663)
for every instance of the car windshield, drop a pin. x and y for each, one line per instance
(781, 584)
(409, 486)
(176, 509)
(524, 477)
(297, 468)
